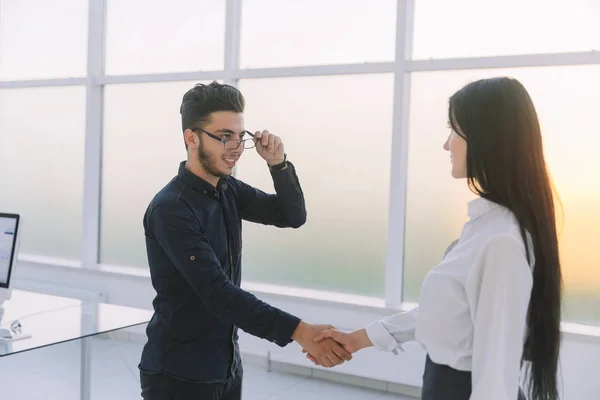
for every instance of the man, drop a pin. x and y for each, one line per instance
(193, 241)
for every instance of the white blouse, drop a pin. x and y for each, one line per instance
(473, 305)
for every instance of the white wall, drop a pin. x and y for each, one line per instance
(580, 354)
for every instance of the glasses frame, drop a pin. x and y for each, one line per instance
(252, 139)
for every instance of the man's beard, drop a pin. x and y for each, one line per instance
(208, 162)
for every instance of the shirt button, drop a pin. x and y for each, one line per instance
(192, 258)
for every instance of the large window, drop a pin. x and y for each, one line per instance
(279, 33)
(164, 36)
(41, 167)
(82, 156)
(42, 39)
(475, 28)
(337, 132)
(567, 101)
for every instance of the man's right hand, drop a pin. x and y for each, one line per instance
(328, 353)
(352, 342)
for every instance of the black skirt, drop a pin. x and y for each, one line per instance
(441, 382)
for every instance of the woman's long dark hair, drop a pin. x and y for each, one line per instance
(505, 164)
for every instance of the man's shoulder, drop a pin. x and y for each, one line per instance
(169, 194)
(169, 190)
(179, 198)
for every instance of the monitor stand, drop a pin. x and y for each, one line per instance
(14, 332)
(5, 294)
(7, 335)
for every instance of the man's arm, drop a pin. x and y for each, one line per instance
(284, 209)
(181, 237)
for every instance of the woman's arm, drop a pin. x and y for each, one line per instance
(499, 290)
(387, 334)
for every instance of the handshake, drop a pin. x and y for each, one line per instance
(327, 346)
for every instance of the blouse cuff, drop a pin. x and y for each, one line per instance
(381, 338)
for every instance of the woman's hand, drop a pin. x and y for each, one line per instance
(351, 342)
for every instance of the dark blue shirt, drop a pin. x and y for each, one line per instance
(194, 241)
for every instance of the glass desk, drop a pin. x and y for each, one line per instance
(51, 320)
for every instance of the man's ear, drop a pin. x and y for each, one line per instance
(191, 139)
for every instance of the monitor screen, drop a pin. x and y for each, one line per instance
(9, 223)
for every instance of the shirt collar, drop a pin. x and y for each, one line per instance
(480, 206)
(199, 184)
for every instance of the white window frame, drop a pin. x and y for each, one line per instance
(402, 67)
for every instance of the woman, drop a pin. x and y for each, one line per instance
(493, 303)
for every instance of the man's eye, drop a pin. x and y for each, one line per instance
(226, 137)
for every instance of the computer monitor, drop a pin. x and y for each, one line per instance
(9, 226)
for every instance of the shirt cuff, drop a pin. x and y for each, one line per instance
(381, 338)
(286, 175)
(284, 329)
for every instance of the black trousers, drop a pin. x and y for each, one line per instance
(441, 382)
(164, 387)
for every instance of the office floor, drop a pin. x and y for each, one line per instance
(53, 373)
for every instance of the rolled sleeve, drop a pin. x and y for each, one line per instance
(381, 338)
(389, 334)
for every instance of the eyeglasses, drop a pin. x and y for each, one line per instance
(232, 144)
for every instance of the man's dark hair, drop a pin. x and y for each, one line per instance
(202, 100)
